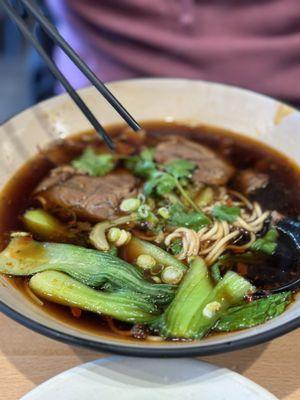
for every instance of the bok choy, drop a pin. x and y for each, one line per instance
(25, 256)
(61, 288)
(197, 306)
(136, 247)
(254, 313)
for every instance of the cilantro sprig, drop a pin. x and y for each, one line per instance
(225, 213)
(180, 169)
(142, 165)
(166, 178)
(193, 220)
(162, 179)
(94, 164)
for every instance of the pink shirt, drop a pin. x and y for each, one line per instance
(249, 43)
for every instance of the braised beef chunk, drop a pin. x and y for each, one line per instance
(91, 198)
(57, 176)
(212, 168)
(249, 181)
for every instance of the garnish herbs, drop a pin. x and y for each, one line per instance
(193, 220)
(94, 164)
(267, 244)
(225, 213)
(142, 165)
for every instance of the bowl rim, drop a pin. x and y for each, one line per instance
(144, 350)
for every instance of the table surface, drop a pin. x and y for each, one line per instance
(28, 359)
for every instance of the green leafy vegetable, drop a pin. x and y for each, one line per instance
(194, 288)
(162, 180)
(24, 256)
(61, 288)
(225, 213)
(193, 220)
(160, 183)
(143, 164)
(175, 247)
(215, 272)
(266, 244)
(197, 307)
(230, 291)
(45, 226)
(254, 313)
(94, 164)
(180, 168)
(113, 251)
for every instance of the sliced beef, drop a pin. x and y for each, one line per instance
(91, 198)
(212, 168)
(249, 181)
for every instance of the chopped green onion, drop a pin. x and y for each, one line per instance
(114, 234)
(129, 205)
(164, 212)
(171, 275)
(143, 211)
(145, 261)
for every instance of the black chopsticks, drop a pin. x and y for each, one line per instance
(35, 13)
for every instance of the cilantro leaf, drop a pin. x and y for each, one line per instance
(160, 183)
(94, 164)
(180, 168)
(142, 165)
(193, 220)
(267, 244)
(226, 213)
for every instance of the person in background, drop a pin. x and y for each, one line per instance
(249, 43)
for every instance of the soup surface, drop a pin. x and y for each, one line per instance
(169, 238)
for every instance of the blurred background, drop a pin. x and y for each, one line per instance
(24, 79)
(253, 44)
(14, 74)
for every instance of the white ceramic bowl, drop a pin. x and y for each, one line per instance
(184, 101)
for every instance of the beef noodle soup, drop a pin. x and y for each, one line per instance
(179, 234)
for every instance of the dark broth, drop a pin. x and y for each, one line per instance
(282, 194)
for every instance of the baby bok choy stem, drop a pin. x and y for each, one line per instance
(230, 291)
(137, 247)
(195, 287)
(60, 288)
(45, 226)
(197, 305)
(25, 256)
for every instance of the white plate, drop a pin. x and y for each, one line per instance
(122, 378)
